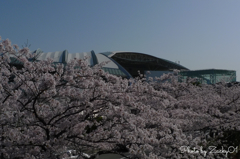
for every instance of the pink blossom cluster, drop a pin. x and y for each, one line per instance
(47, 109)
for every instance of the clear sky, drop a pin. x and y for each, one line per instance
(201, 34)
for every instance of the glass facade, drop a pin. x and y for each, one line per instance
(209, 76)
(115, 71)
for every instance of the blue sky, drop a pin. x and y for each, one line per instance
(201, 34)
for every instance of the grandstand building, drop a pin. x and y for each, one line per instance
(128, 64)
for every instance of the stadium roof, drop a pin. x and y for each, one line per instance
(124, 64)
(134, 61)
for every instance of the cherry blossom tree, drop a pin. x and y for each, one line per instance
(47, 109)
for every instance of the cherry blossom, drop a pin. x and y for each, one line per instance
(47, 109)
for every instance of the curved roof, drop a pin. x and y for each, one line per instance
(142, 57)
(134, 62)
(64, 57)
